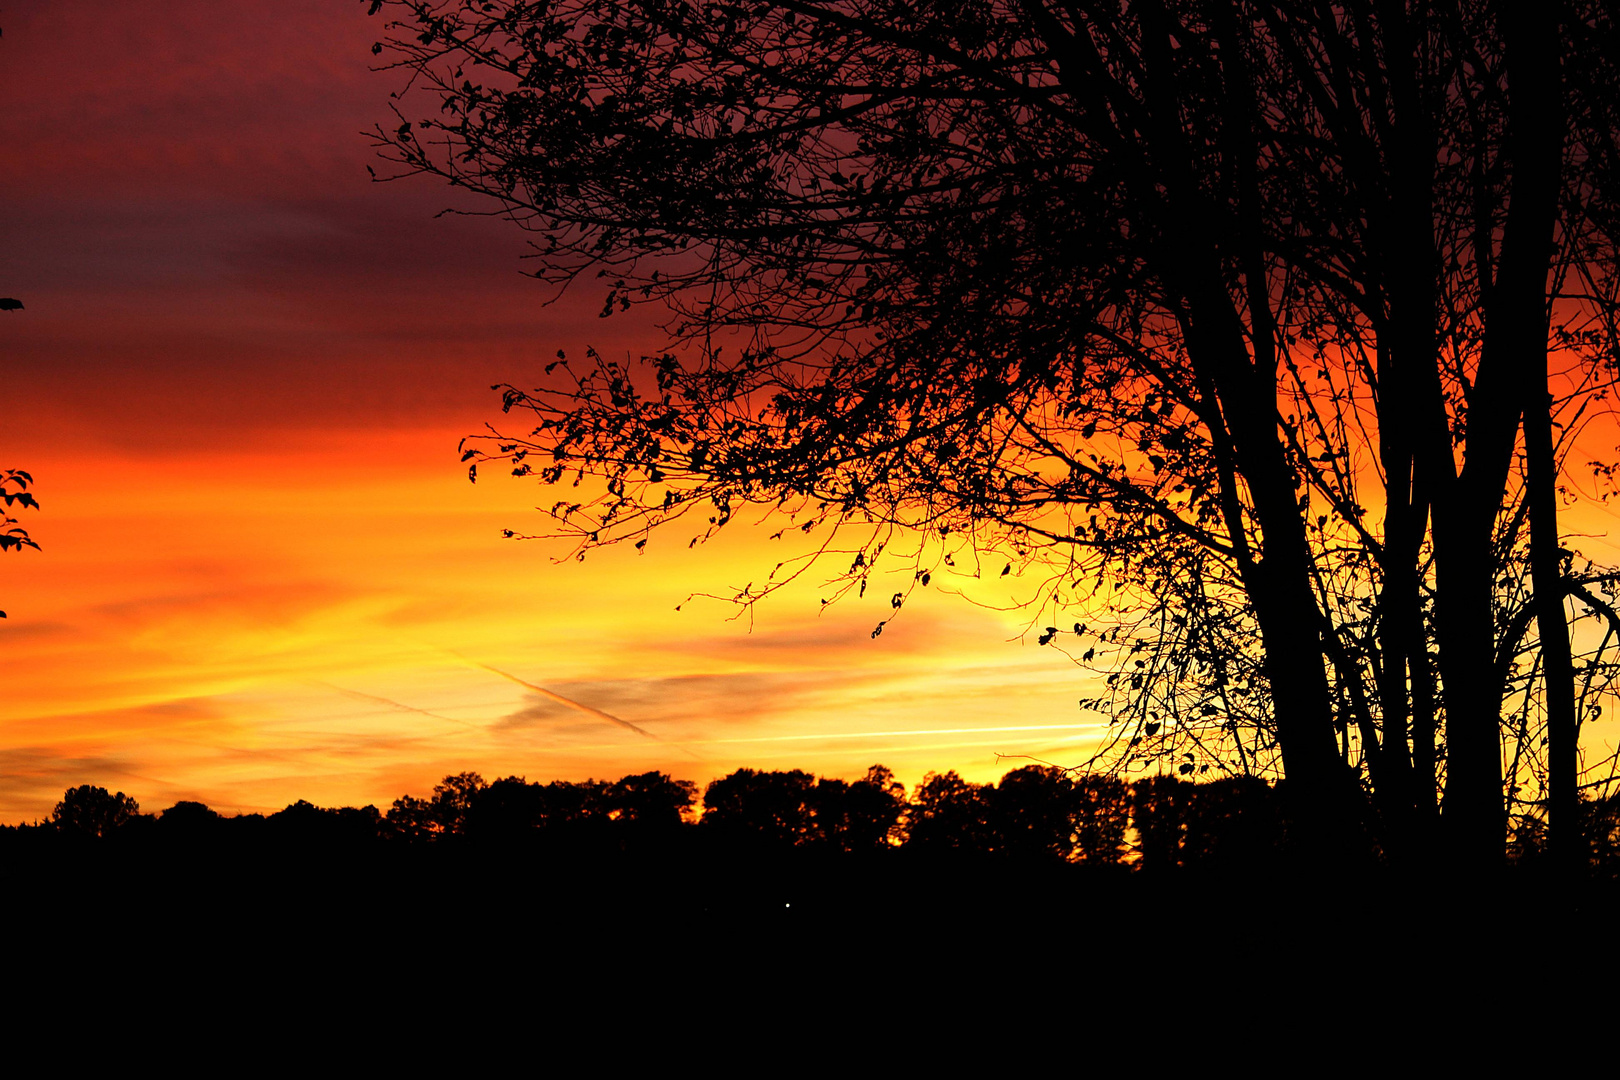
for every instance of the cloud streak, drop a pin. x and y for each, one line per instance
(572, 704)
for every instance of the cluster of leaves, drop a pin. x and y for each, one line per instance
(14, 490)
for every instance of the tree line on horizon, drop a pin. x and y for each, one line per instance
(1035, 814)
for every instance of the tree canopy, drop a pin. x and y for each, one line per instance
(93, 811)
(1258, 331)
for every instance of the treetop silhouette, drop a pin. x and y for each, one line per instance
(1227, 323)
(93, 811)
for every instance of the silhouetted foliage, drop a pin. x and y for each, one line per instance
(1159, 808)
(14, 491)
(863, 815)
(948, 813)
(773, 809)
(93, 811)
(1034, 813)
(576, 815)
(1101, 819)
(509, 809)
(649, 801)
(1037, 820)
(305, 825)
(189, 823)
(512, 809)
(411, 820)
(188, 815)
(453, 799)
(1228, 823)
(445, 813)
(1602, 818)
(1233, 822)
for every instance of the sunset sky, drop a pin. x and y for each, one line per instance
(239, 382)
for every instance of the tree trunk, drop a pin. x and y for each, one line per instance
(1515, 339)
(1538, 133)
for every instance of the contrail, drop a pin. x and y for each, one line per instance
(572, 704)
(391, 703)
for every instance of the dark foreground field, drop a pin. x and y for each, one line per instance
(660, 926)
(766, 965)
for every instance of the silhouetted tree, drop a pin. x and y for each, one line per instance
(1034, 813)
(189, 823)
(410, 820)
(1232, 312)
(576, 807)
(445, 813)
(508, 809)
(649, 800)
(1159, 809)
(1101, 819)
(948, 813)
(1233, 822)
(1603, 835)
(303, 825)
(453, 798)
(560, 812)
(863, 815)
(1230, 823)
(188, 815)
(92, 811)
(769, 808)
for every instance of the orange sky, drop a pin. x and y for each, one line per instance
(239, 381)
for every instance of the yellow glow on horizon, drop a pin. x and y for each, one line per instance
(251, 627)
(255, 626)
